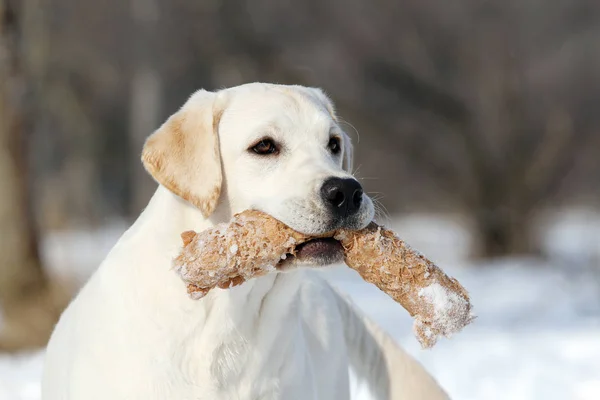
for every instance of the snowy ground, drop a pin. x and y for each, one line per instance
(537, 336)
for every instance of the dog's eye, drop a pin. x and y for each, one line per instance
(265, 147)
(334, 145)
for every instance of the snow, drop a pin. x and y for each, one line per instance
(447, 305)
(537, 335)
(438, 296)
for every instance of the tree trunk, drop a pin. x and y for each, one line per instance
(28, 301)
(145, 100)
(501, 233)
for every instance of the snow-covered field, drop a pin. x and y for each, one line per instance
(537, 336)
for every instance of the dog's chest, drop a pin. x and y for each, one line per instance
(253, 366)
(280, 348)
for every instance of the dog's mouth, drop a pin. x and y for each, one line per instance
(319, 248)
(315, 252)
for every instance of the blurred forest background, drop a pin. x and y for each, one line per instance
(485, 109)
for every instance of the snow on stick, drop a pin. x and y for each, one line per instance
(253, 244)
(439, 304)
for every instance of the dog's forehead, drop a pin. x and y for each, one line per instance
(276, 107)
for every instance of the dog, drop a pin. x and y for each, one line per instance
(133, 333)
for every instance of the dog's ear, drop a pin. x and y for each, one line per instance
(183, 154)
(348, 160)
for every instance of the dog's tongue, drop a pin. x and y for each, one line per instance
(318, 248)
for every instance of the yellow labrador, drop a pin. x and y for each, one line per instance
(133, 333)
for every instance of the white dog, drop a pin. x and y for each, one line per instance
(132, 333)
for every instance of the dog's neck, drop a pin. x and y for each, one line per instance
(158, 232)
(167, 210)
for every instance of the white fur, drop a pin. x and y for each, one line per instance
(133, 333)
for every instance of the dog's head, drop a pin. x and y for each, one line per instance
(277, 149)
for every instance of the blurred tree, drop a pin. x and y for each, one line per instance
(498, 151)
(482, 108)
(29, 302)
(145, 95)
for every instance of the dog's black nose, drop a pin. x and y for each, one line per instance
(342, 196)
